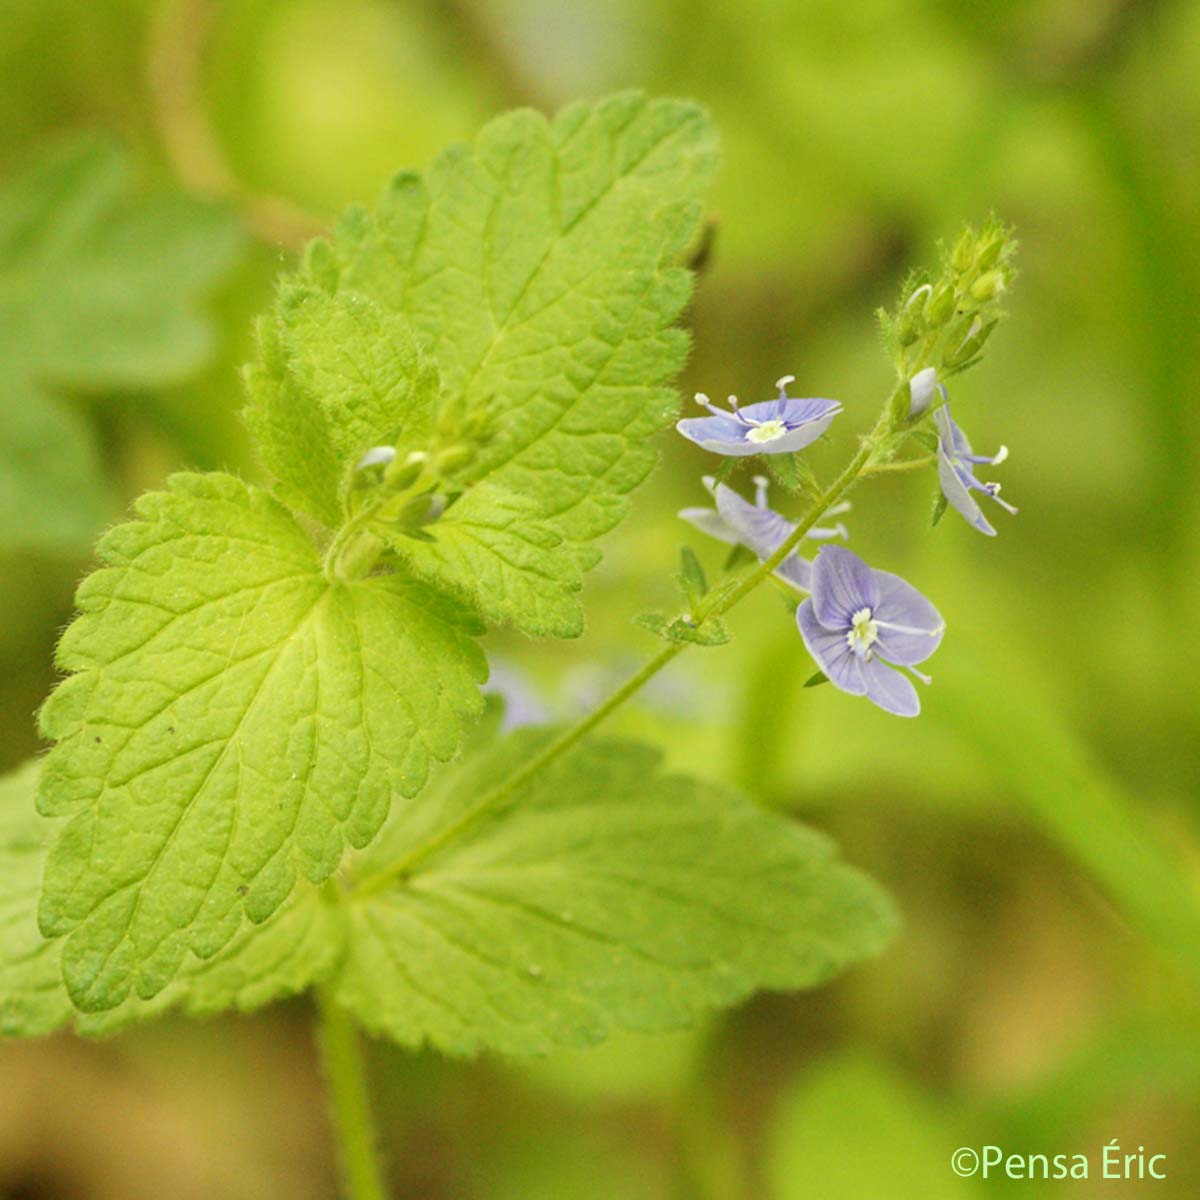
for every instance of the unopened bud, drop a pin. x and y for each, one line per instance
(963, 255)
(990, 252)
(940, 306)
(989, 286)
(403, 474)
(971, 344)
(920, 391)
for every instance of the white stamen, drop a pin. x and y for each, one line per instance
(784, 380)
(702, 399)
(765, 431)
(921, 675)
(863, 633)
(1001, 455)
(760, 491)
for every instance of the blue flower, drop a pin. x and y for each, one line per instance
(955, 460)
(860, 623)
(759, 528)
(780, 426)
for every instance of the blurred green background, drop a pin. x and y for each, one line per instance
(1038, 824)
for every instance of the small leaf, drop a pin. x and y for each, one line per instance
(816, 680)
(939, 509)
(234, 719)
(691, 573)
(606, 895)
(711, 632)
(336, 375)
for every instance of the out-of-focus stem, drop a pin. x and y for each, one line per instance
(178, 36)
(349, 1100)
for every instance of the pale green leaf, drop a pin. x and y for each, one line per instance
(336, 375)
(537, 266)
(298, 945)
(606, 895)
(492, 548)
(234, 718)
(100, 288)
(33, 1000)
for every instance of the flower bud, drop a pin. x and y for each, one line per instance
(403, 474)
(989, 286)
(962, 257)
(971, 344)
(940, 306)
(920, 391)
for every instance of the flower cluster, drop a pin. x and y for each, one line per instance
(863, 627)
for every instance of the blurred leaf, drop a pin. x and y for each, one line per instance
(234, 718)
(850, 1129)
(98, 289)
(713, 632)
(537, 266)
(605, 896)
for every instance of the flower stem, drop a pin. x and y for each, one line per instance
(349, 1101)
(503, 792)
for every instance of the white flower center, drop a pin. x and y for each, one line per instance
(768, 431)
(863, 632)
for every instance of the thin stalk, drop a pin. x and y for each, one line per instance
(349, 1100)
(500, 794)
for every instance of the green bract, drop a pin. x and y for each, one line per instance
(99, 289)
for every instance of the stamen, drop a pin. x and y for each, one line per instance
(1001, 455)
(702, 400)
(760, 491)
(784, 380)
(921, 675)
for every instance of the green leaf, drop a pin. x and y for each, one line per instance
(32, 998)
(336, 375)
(713, 632)
(606, 895)
(492, 549)
(296, 947)
(99, 289)
(536, 267)
(234, 718)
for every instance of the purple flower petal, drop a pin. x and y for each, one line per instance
(720, 435)
(958, 495)
(842, 584)
(830, 651)
(709, 521)
(910, 628)
(759, 529)
(891, 690)
(797, 571)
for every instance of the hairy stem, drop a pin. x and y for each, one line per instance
(721, 604)
(349, 1100)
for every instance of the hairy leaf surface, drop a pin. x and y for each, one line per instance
(536, 266)
(606, 895)
(297, 946)
(234, 718)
